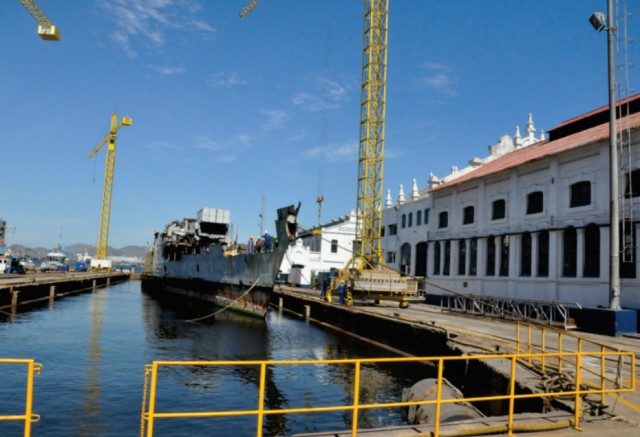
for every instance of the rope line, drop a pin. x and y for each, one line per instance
(231, 303)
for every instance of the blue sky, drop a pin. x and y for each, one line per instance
(227, 111)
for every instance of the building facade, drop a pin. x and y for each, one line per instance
(314, 253)
(529, 221)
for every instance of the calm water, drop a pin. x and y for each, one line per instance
(93, 348)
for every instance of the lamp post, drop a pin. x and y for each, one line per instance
(597, 20)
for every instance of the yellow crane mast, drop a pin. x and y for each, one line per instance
(46, 30)
(366, 275)
(101, 262)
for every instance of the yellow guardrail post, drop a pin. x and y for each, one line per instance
(603, 377)
(512, 392)
(152, 398)
(29, 417)
(263, 377)
(529, 343)
(577, 406)
(436, 422)
(356, 399)
(560, 351)
(543, 358)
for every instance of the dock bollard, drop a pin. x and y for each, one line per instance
(52, 291)
(307, 312)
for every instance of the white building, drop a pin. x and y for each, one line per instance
(314, 253)
(529, 221)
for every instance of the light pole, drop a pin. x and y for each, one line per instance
(597, 20)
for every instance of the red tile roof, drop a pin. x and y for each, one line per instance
(543, 149)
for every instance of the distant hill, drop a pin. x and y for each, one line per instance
(41, 252)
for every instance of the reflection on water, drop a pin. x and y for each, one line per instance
(94, 347)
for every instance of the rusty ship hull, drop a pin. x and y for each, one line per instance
(219, 273)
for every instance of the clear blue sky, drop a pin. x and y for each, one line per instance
(226, 111)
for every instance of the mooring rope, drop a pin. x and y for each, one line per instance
(232, 302)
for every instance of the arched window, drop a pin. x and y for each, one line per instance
(569, 252)
(592, 251)
(418, 218)
(491, 256)
(473, 256)
(535, 202)
(543, 254)
(468, 215)
(462, 257)
(405, 258)
(525, 255)
(504, 255)
(443, 219)
(580, 194)
(498, 209)
(447, 258)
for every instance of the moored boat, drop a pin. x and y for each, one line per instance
(197, 259)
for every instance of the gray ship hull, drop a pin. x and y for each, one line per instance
(240, 282)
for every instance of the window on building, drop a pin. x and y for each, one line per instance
(473, 256)
(334, 246)
(569, 252)
(410, 220)
(498, 209)
(314, 243)
(632, 183)
(462, 257)
(404, 221)
(535, 202)
(443, 219)
(580, 194)
(405, 258)
(627, 249)
(382, 231)
(504, 255)
(391, 257)
(426, 216)
(491, 256)
(393, 230)
(447, 258)
(543, 254)
(591, 251)
(418, 218)
(525, 254)
(436, 258)
(468, 215)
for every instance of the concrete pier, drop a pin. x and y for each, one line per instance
(34, 288)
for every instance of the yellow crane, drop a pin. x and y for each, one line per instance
(101, 262)
(46, 30)
(366, 275)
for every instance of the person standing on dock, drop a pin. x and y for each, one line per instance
(325, 285)
(341, 290)
(267, 241)
(259, 245)
(250, 245)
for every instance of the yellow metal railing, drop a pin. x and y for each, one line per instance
(28, 417)
(543, 340)
(577, 390)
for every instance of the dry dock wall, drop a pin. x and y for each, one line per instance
(32, 290)
(409, 338)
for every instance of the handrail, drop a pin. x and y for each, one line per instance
(578, 390)
(28, 417)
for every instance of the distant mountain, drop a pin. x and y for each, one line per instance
(41, 252)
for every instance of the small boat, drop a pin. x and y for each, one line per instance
(56, 261)
(198, 259)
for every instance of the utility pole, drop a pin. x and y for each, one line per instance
(262, 217)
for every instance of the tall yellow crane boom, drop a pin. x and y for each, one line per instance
(46, 30)
(103, 239)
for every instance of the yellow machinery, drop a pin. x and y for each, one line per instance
(46, 30)
(366, 275)
(101, 262)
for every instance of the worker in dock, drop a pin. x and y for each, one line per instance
(250, 245)
(341, 292)
(325, 285)
(267, 241)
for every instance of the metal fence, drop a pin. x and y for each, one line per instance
(28, 417)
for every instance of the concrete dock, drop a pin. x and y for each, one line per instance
(387, 325)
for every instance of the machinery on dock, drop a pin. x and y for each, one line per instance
(46, 30)
(101, 262)
(366, 275)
